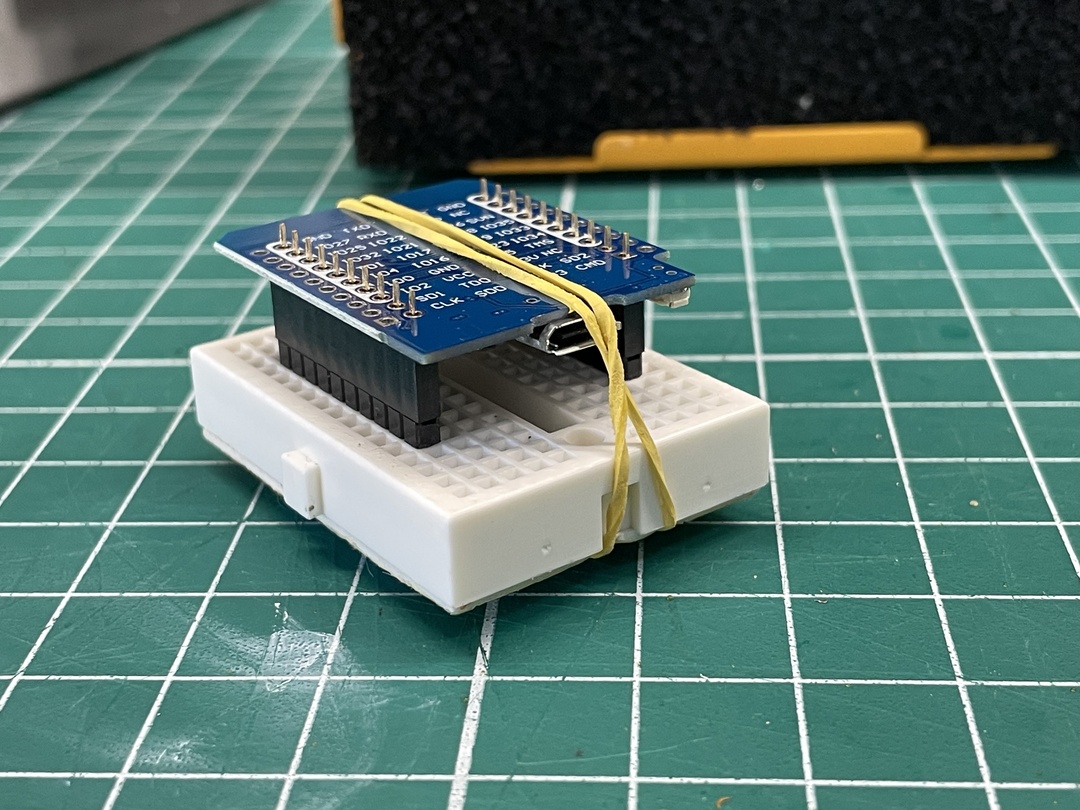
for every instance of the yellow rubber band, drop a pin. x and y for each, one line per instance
(583, 302)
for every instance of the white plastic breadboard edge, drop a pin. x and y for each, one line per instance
(516, 489)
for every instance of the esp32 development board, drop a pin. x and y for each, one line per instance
(456, 417)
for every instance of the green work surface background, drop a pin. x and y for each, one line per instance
(893, 623)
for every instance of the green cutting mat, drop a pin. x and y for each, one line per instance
(895, 623)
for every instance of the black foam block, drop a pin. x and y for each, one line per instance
(437, 84)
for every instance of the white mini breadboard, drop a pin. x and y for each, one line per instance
(516, 489)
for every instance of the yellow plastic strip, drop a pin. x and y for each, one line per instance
(987, 152)
(788, 145)
(587, 305)
(337, 21)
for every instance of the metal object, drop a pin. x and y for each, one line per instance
(46, 43)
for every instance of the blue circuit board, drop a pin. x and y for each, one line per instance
(460, 306)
